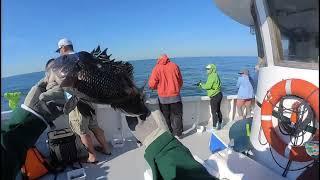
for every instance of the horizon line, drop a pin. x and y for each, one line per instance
(192, 57)
(138, 60)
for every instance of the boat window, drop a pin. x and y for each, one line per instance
(297, 30)
(260, 47)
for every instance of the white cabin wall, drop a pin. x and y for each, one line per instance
(269, 76)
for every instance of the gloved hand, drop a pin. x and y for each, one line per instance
(46, 110)
(55, 94)
(146, 131)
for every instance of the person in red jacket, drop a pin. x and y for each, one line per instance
(167, 80)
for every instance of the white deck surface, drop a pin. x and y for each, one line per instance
(128, 162)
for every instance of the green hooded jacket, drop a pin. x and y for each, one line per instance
(169, 159)
(18, 134)
(213, 84)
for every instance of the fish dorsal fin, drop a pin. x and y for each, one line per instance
(98, 49)
(103, 55)
(93, 51)
(104, 52)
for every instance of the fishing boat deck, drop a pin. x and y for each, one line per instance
(127, 162)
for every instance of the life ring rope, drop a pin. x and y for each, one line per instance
(289, 87)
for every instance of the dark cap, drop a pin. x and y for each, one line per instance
(244, 71)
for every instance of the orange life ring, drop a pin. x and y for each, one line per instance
(297, 87)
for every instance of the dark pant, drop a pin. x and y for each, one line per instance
(215, 103)
(173, 115)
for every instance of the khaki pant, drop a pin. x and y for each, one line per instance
(81, 124)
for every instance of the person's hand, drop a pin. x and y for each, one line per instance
(198, 83)
(146, 131)
(48, 110)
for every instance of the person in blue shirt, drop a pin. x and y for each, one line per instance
(245, 94)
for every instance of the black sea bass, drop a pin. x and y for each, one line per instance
(94, 77)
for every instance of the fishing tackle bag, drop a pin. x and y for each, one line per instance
(62, 147)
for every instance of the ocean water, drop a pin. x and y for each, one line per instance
(192, 69)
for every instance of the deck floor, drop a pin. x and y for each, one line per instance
(128, 162)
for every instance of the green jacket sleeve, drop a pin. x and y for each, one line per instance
(210, 82)
(216, 82)
(169, 159)
(18, 134)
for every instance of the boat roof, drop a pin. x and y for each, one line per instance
(238, 10)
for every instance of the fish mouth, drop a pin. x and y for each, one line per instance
(65, 71)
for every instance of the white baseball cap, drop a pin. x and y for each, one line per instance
(63, 42)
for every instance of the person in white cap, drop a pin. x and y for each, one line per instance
(80, 124)
(65, 46)
(213, 87)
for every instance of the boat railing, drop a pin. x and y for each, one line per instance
(229, 112)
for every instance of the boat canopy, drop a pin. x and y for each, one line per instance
(238, 10)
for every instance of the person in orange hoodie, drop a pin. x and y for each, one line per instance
(167, 80)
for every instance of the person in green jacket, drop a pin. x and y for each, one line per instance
(167, 157)
(213, 87)
(24, 128)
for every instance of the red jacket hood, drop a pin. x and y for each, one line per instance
(164, 59)
(166, 78)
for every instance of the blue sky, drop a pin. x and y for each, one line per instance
(131, 30)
